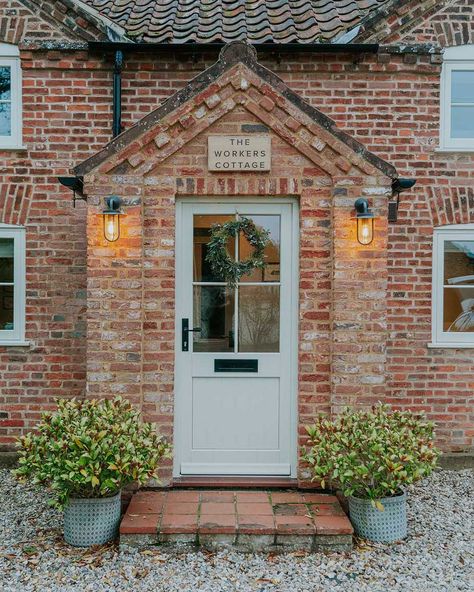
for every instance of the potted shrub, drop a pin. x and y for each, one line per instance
(86, 452)
(371, 456)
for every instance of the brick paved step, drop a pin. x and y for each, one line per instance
(247, 520)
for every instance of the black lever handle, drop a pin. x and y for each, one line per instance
(185, 331)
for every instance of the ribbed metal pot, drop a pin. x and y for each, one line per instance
(375, 525)
(91, 521)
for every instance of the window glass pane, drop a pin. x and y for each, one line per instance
(202, 232)
(458, 310)
(5, 83)
(214, 314)
(462, 121)
(6, 308)
(259, 318)
(5, 119)
(458, 263)
(462, 86)
(6, 260)
(271, 272)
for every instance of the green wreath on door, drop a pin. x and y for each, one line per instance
(222, 264)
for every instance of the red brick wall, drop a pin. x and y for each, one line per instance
(389, 103)
(62, 94)
(41, 20)
(451, 24)
(439, 22)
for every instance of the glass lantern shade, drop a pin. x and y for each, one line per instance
(111, 226)
(111, 218)
(365, 230)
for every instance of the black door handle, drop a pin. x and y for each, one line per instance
(185, 331)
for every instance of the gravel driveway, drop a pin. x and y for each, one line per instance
(437, 556)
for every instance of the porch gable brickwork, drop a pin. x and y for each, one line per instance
(343, 286)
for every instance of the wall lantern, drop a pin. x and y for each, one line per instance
(111, 216)
(365, 221)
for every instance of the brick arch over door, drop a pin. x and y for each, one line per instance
(451, 205)
(15, 202)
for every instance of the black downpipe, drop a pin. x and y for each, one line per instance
(117, 94)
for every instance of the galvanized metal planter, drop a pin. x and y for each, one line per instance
(375, 525)
(91, 521)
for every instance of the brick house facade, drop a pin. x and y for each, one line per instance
(100, 317)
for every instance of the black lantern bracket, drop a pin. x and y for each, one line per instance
(113, 205)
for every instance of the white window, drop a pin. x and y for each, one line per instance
(12, 284)
(453, 286)
(10, 97)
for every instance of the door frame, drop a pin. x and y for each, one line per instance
(294, 308)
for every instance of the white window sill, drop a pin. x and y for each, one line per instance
(450, 345)
(455, 150)
(12, 148)
(15, 343)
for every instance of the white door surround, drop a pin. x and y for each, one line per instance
(235, 386)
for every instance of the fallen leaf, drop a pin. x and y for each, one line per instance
(30, 550)
(299, 553)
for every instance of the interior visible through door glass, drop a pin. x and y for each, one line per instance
(202, 271)
(214, 314)
(259, 318)
(271, 271)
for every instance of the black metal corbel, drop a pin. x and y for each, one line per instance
(76, 184)
(398, 185)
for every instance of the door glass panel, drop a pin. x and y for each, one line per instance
(6, 308)
(202, 271)
(271, 271)
(458, 313)
(214, 313)
(458, 263)
(259, 318)
(6, 260)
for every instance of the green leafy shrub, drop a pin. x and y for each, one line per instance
(371, 454)
(90, 448)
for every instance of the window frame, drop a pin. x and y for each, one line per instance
(10, 57)
(441, 338)
(16, 336)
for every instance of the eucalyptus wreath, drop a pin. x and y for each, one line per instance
(218, 257)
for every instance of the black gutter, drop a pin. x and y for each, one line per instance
(193, 48)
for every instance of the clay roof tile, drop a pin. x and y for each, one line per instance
(256, 21)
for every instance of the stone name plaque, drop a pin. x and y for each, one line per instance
(239, 153)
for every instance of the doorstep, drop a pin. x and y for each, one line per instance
(250, 520)
(236, 482)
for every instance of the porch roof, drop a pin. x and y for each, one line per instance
(254, 21)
